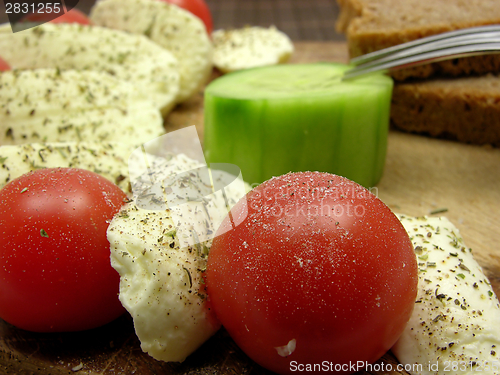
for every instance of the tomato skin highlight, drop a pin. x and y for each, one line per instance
(55, 272)
(197, 7)
(320, 269)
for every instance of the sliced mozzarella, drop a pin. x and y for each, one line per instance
(149, 67)
(161, 281)
(455, 326)
(107, 159)
(250, 47)
(173, 28)
(49, 105)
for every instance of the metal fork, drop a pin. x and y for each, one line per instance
(450, 45)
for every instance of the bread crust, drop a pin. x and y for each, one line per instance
(464, 109)
(371, 25)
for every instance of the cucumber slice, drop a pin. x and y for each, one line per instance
(273, 120)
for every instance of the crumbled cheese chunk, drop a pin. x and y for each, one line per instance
(49, 105)
(250, 47)
(107, 159)
(155, 249)
(456, 319)
(134, 58)
(173, 28)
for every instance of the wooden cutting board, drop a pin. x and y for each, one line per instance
(421, 175)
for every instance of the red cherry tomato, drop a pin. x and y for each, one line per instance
(72, 16)
(320, 272)
(3, 65)
(199, 8)
(55, 272)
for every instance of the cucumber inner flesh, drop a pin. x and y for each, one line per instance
(288, 81)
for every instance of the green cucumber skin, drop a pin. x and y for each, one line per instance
(345, 135)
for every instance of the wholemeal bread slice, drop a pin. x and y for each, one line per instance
(465, 109)
(371, 25)
(460, 98)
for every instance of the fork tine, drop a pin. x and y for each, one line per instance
(418, 42)
(424, 58)
(439, 45)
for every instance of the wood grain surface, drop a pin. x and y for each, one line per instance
(421, 176)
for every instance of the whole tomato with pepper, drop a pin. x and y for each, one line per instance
(55, 270)
(319, 271)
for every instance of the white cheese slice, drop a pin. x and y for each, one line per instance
(134, 58)
(250, 47)
(161, 277)
(455, 326)
(107, 159)
(172, 27)
(49, 105)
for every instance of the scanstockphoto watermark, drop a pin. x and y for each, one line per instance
(334, 192)
(327, 366)
(170, 173)
(200, 196)
(25, 14)
(453, 367)
(335, 201)
(297, 209)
